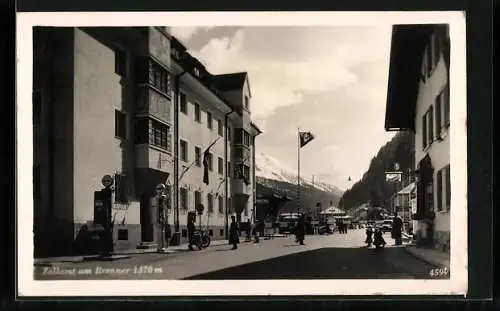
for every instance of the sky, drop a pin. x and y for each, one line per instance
(331, 81)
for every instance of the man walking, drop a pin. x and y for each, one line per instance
(397, 229)
(234, 238)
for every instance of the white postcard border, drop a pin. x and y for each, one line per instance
(27, 286)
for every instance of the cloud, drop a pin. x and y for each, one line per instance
(329, 80)
(275, 81)
(186, 33)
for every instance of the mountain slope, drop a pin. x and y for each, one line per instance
(267, 167)
(272, 175)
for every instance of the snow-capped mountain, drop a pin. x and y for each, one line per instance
(267, 167)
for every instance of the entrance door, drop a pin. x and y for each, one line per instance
(146, 214)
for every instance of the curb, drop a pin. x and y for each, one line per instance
(426, 260)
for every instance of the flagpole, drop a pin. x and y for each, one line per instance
(298, 169)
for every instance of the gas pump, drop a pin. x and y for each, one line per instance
(103, 201)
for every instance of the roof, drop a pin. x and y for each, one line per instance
(256, 127)
(332, 210)
(407, 49)
(230, 81)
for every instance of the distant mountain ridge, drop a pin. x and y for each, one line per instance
(273, 175)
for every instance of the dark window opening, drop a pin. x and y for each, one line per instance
(122, 188)
(183, 196)
(183, 103)
(246, 102)
(160, 135)
(210, 232)
(160, 78)
(141, 131)
(221, 205)
(120, 124)
(221, 165)
(431, 124)
(184, 233)
(197, 112)
(221, 232)
(197, 198)
(184, 150)
(122, 234)
(220, 128)
(210, 202)
(448, 187)
(209, 120)
(439, 190)
(197, 152)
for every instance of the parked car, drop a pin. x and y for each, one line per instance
(387, 226)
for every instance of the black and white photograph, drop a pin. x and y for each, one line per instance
(242, 153)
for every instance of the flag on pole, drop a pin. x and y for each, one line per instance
(305, 138)
(206, 162)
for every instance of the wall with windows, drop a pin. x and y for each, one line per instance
(200, 125)
(432, 127)
(103, 104)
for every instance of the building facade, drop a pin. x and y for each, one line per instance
(418, 100)
(134, 104)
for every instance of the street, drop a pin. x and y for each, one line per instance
(337, 256)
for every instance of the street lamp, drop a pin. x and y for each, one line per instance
(161, 195)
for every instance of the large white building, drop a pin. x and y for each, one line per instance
(133, 103)
(418, 100)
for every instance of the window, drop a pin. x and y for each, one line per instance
(221, 204)
(446, 109)
(220, 128)
(221, 165)
(428, 128)
(197, 112)
(442, 111)
(229, 131)
(37, 106)
(211, 162)
(197, 198)
(242, 137)
(429, 190)
(447, 184)
(210, 203)
(246, 172)
(183, 103)
(246, 102)
(183, 197)
(120, 124)
(238, 152)
(431, 124)
(439, 185)
(160, 135)
(120, 63)
(209, 120)
(184, 150)
(160, 78)
(197, 154)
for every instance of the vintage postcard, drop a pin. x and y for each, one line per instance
(287, 153)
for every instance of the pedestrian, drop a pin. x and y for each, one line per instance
(191, 228)
(300, 230)
(234, 238)
(397, 229)
(378, 238)
(369, 234)
(255, 229)
(248, 231)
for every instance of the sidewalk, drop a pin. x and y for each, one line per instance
(431, 256)
(124, 254)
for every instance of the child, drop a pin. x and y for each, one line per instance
(379, 241)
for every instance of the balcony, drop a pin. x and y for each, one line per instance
(152, 157)
(152, 102)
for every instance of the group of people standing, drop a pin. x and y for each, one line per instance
(375, 236)
(342, 227)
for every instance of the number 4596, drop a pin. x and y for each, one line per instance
(439, 272)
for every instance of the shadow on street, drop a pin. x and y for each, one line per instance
(329, 263)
